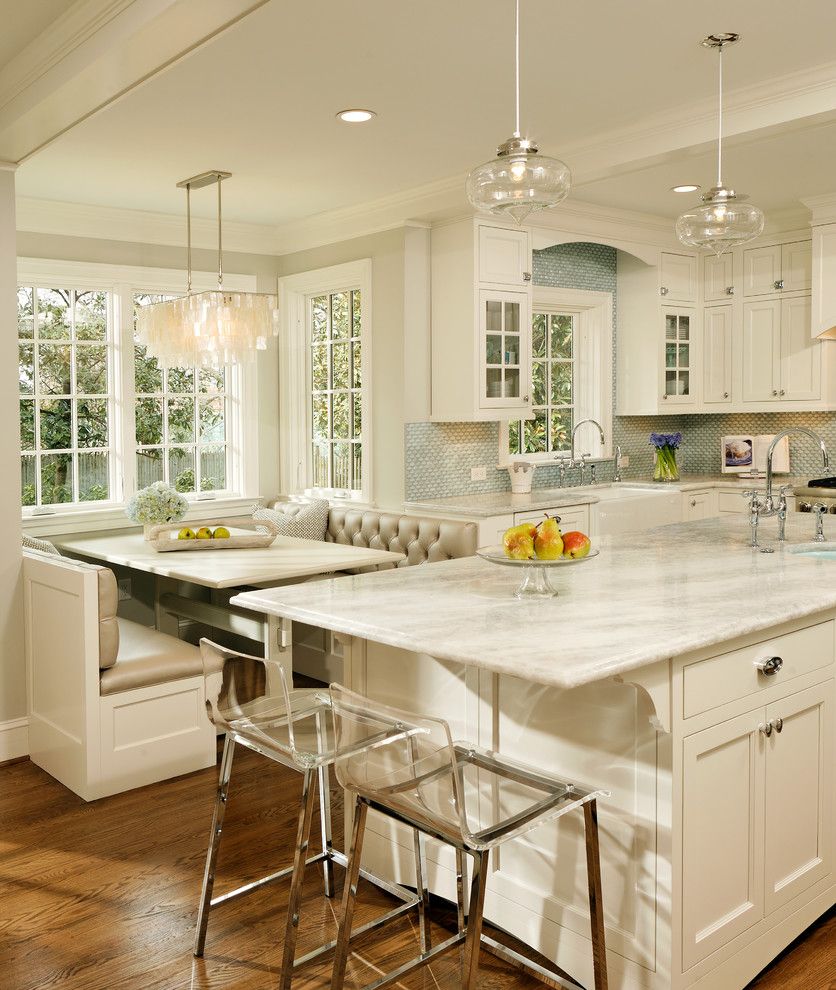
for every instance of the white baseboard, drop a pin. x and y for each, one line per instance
(14, 739)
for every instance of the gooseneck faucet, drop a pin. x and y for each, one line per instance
(769, 506)
(574, 461)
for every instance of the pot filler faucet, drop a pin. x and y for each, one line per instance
(767, 507)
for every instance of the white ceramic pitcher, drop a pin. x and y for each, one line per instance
(522, 474)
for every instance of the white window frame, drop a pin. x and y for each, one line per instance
(593, 313)
(295, 293)
(123, 281)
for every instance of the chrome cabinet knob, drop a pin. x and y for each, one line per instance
(779, 724)
(525, 398)
(665, 395)
(729, 290)
(693, 502)
(782, 392)
(663, 290)
(805, 507)
(779, 284)
(526, 276)
(725, 395)
(765, 729)
(769, 665)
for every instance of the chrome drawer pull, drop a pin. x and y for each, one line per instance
(779, 724)
(765, 729)
(769, 665)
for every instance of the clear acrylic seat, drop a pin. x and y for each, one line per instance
(252, 700)
(470, 798)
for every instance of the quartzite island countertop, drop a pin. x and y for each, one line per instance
(645, 598)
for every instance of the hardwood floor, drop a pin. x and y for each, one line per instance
(103, 896)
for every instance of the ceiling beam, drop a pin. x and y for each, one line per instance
(94, 54)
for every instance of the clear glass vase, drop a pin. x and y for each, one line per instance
(665, 468)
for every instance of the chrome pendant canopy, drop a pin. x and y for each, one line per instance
(211, 328)
(724, 219)
(519, 180)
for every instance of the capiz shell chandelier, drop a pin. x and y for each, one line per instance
(211, 328)
(519, 180)
(724, 220)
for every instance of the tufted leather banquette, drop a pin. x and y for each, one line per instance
(421, 539)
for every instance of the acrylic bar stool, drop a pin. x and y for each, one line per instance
(249, 697)
(469, 798)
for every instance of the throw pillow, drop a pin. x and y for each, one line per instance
(302, 520)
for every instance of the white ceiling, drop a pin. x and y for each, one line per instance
(23, 21)
(260, 101)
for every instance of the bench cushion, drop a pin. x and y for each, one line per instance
(422, 540)
(148, 657)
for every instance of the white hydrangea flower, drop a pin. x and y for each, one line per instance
(158, 503)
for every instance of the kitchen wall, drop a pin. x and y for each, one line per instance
(439, 456)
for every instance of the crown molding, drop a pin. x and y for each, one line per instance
(42, 216)
(822, 208)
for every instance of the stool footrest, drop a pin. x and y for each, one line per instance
(368, 927)
(415, 963)
(248, 888)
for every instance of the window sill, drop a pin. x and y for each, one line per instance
(549, 460)
(59, 523)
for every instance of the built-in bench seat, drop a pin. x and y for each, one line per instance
(112, 704)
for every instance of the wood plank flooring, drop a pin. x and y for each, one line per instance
(103, 896)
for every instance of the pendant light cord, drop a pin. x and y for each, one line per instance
(720, 122)
(188, 240)
(220, 242)
(517, 77)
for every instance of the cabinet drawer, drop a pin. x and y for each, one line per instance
(711, 683)
(572, 517)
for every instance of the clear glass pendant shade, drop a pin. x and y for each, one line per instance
(208, 329)
(518, 183)
(720, 224)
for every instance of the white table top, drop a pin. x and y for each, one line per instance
(286, 559)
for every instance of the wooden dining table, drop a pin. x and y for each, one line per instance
(195, 584)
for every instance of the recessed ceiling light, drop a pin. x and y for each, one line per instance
(356, 116)
(686, 187)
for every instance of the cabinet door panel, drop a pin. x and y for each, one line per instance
(761, 350)
(761, 270)
(722, 835)
(679, 345)
(504, 348)
(799, 794)
(717, 277)
(678, 276)
(503, 255)
(572, 517)
(797, 265)
(717, 353)
(800, 355)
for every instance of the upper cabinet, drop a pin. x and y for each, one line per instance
(778, 268)
(717, 278)
(481, 322)
(678, 278)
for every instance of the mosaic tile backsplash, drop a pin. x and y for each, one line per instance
(439, 456)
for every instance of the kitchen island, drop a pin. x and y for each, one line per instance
(641, 677)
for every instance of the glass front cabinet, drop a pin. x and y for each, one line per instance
(504, 330)
(679, 339)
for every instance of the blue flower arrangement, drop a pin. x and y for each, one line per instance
(666, 445)
(158, 503)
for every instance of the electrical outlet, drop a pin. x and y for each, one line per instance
(125, 589)
(479, 473)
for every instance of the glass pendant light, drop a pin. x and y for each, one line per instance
(724, 219)
(211, 328)
(519, 180)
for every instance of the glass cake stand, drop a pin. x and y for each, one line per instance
(535, 581)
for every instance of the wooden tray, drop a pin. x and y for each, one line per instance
(163, 538)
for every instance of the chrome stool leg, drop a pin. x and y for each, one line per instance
(214, 844)
(422, 888)
(297, 879)
(474, 920)
(349, 895)
(325, 829)
(461, 885)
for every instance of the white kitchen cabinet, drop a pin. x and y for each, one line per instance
(718, 277)
(722, 825)
(778, 268)
(504, 256)
(679, 355)
(780, 362)
(717, 354)
(699, 505)
(481, 322)
(678, 278)
(798, 801)
(572, 517)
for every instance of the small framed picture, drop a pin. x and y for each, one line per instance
(737, 454)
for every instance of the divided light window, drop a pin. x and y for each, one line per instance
(65, 375)
(181, 421)
(554, 346)
(336, 384)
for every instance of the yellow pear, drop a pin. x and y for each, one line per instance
(221, 533)
(204, 533)
(518, 542)
(548, 543)
(185, 534)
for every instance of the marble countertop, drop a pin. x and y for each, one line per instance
(644, 598)
(500, 503)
